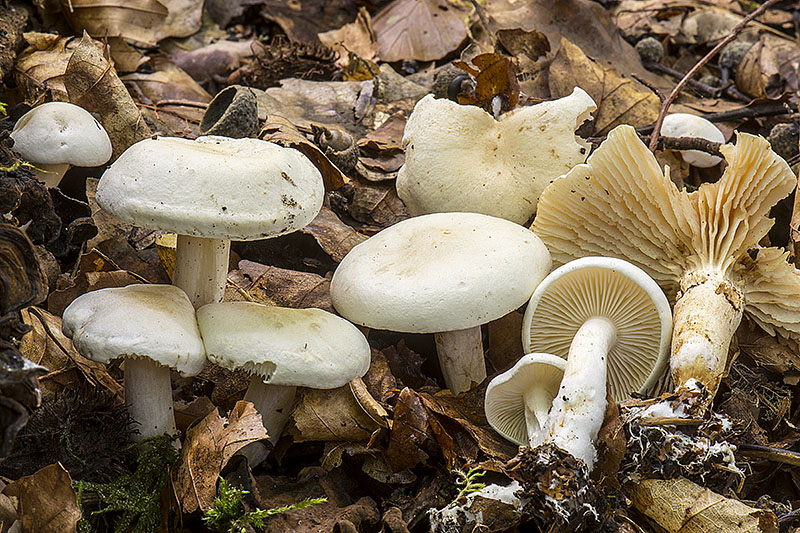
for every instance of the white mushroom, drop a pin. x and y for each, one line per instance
(210, 191)
(444, 273)
(154, 328)
(282, 349)
(55, 135)
(459, 158)
(701, 247)
(612, 323)
(687, 125)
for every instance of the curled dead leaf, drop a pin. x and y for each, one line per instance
(46, 501)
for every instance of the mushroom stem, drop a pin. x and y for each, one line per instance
(148, 396)
(579, 408)
(707, 313)
(461, 358)
(273, 402)
(50, 175)
(201, 268)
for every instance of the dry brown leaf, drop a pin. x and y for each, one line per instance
(216, 59)
(496, 75)
(330, 415)
(286, 288)
(42, 64)
(379, 380)
(423, 30)
(46, 501)
(411, 439)
(90, 280)
(765, 350)
(280, 130)
(92, 83)
(377, 204)
(207, 448)
(619, 100)
(357, 37)
(135, 20)
(184, 18)
(126, 58)
(505, 343)
(769, 68)
(680, 505)
(334, 236)
(46, 345)
(302, 20)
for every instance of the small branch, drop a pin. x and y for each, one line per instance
(650, 86)
(672, 95)
(676, 143)
(707, 90)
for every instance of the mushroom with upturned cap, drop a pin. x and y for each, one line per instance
(55, 135)
(154, 328)
(701, 247)
(459, 158)
(282, 349)
(612, 324)
(443, 273)
(210, 191)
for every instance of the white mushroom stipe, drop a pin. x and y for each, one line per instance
(461, 358)
(273, 402)
(201, 268)
(579, 407)
(148, 397)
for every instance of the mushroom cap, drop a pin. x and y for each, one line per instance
(153, 321)
(688, 125)
(505, 395)
(59, 132)
(439, 272)
(459, 158)
(293, 347)
(214, 187)
(613, 289)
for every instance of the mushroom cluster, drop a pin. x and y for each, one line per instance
(155, 328)
(702, 247)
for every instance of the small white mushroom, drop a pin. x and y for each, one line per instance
(687, 125)
(282, 349)
(154, 328)
(444, 273)
(210, 191)
(701, 247)
(55, 135)
(459, 158)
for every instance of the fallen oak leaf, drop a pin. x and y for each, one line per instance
(207, 448)
(496, 76)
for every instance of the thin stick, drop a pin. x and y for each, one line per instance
(672, 95)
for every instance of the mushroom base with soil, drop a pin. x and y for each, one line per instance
(707, 313)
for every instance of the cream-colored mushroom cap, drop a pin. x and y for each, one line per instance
(617, 291)
(439, 272)
(59, 132)
(214, 187)
(522, 396)
(153, 321)
(293, 347)
(459, 158)
(687, 125)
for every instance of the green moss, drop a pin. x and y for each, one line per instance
(135, 499)
(227, 514)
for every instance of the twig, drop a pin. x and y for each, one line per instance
(672, 95)
(650, 86)
(676, 143)
(485, 22)
(707, 90)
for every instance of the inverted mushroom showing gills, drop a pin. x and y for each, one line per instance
(154, 328)
(444, 273)
(283, 349)
(55, 135)
(210, 191)
(701, 247)
(459, 158)
(612, 324)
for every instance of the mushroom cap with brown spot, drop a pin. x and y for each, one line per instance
(213, 187)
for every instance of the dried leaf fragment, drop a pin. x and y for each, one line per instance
(46, 501)
(423, 30)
